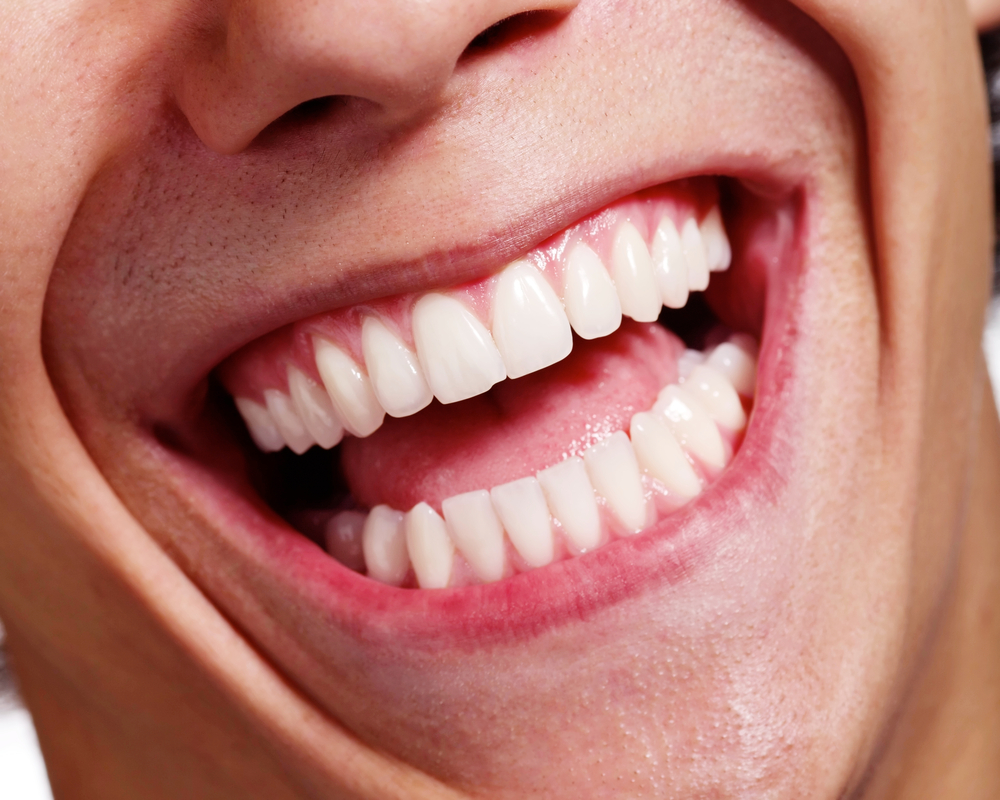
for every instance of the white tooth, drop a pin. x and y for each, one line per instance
(260, 425)
(571, 500)
(279, 406)
(717, 396)
(314, 408)
(632, 269)
(343, 538)
(430, 548)
(659, 454)
(694, 255)
(692, 426)
(592, 303)
(614, 472)
(746, 343)
(476, 532)
(669, 265)
(349, 387)
(456, 351)
(521, 507)
(739, 368)
(529, 325)
(394, 371)
(384, 543)
(688, 360)
(718, 252)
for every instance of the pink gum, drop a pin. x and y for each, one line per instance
(263, 363)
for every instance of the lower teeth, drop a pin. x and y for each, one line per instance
(618, 487)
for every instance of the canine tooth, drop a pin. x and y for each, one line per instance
(632, 269)
(717, 396)
(395, 374)
(660, 454)
(349, 387)
(521, 507)
(457, 353)
(476, 532)
(592, 303)
(669, 265)
(736, 365)
(260, 425)
(343, 538)
(694, 255)
(570, 497)
(718, 252)
(314, 409)
(614, 473)
(383, 541)
(530, 328)
(430, 548)
(688, 360)
(691, 424)
(279, 406)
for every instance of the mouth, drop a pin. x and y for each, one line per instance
(522, 441)
(582, 394)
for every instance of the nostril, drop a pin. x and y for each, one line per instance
(312, 110)
(304, 116)
(514, 29)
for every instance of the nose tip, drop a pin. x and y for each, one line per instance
(274, 55)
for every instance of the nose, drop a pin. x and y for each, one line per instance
(268, 56)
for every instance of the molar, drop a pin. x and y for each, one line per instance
(343, 536)
(733, 360)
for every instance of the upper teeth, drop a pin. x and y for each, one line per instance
(459, 355)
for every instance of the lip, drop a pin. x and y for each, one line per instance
(523, 606)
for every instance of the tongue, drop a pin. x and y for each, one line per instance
(517, 428)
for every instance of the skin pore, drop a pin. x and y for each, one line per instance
(173, 192)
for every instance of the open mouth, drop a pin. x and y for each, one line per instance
(592, 390)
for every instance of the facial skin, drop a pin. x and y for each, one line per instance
(828, 631)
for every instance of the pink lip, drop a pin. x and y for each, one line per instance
(522, 607)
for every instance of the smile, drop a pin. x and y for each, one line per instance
(536, 415)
